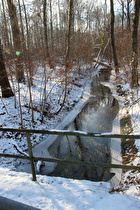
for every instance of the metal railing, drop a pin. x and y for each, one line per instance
(66, 133)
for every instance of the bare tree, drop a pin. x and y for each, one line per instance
(46, 34)
(51, 24)
(128, 15)
(45, 30)
(16, 40)
(67, 61)
(5, 26)
(112, 35)
(134, 61)
(4, 82)
(123, 13)
(70, 33)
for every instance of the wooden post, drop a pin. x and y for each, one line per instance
(31, 156)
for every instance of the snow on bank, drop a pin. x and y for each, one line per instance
(130, 108)
(10, 116)
(60, 193)
(50, 192)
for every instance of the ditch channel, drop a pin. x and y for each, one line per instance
(97, 112)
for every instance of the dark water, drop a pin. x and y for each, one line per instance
(96, 116)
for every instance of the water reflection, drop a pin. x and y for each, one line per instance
(96, 116)
(105, 75)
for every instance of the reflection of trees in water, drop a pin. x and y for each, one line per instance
(102, 95)
(82, 149)
(85, 148)
(91, 150)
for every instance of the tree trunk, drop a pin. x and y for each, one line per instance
(112, 36)
(70, 32)
(122, 3)
(105, 14)
(46, 35)
(45, 30)
(128, 15)
(134, 61)
(22, 29)
(28, 45)
(29, 77)
(6, 28)
(67, 61)
(51, 25)
(16, 40)
(4, 82)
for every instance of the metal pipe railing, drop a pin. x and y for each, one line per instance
(6, 204)
(70, 133)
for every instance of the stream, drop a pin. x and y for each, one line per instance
(96, 116)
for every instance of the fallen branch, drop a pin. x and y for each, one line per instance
(103, 64)
(73, 83)
(19, 149)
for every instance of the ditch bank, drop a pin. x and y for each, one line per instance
(100, 101)
(103, 88)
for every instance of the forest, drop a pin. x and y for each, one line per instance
(49, 50)
(65, 35)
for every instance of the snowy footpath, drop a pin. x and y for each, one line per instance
(60, 193)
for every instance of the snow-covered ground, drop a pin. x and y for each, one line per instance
(60, 193)
(130, 109)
